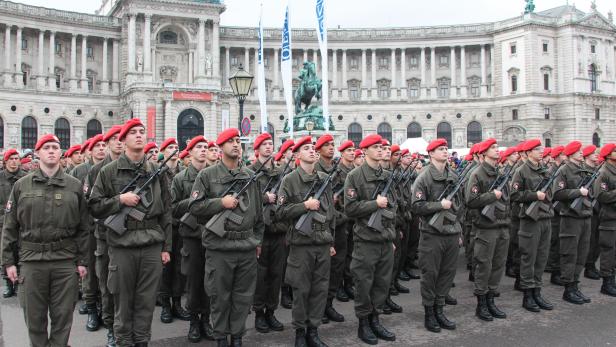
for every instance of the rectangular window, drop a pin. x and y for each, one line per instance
(592, 49)
(546, 113)
(443, 91)
(514, 114)
(90, 52)
(545, 47)
(25, 78)
(513, 48)
(58, 48)
(354, 93)
(546, 81)
(514, 84)
(383, 63)
(354, 63)
(266, 62)
(414, 60)
(475, 59)
(24, 44)
(443, 60)
(475, 90)
(383, 92)
(90, 83)
(414, 92)
(58, 81)
(234, 61)
(597, 113)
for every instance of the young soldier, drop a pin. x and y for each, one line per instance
(185, 158)
(286, 154)
(85, 151)
(73, 157)
(591, 155)
(491, 236)
(26, 164)
(213, 154)
(534, 234)
(438, 248)
(46, 217)
(151, 151)
(136, 256)
(343, 224)
(8, 176)
(395, 287)
(510, 157)
(373, 251)
(359, 158)
(605, 190)
(270, 263)
(514, 247)
(172, 281)
(308, 265)
(230, 261)
(553, 162)
(193, 253)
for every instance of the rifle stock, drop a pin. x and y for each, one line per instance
(376, 218)
(585, 201)
(488, 211)
(438, 219)
(533, 209)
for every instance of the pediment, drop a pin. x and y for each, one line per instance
(596, 20)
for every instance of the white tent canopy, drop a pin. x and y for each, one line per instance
(415, 144)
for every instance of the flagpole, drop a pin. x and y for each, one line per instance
(286, 69)
(322, 36)
(261, 77)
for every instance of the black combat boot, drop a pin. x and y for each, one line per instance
(93, 322)
(9, 289)
(580, 294)
(341, 295)
(83, 309)
(541, 301)
(510, 272)
(206, 328)
(494, 311)
(395, 308)
(331, 312)
(570, 295)
(412, 274)
(379, 330)
(222, 342)
(555, 278)
(482, 309)
(608, 287)
(274, 324)
(260, 322)
(404, 276)
(111, 342)
(194, 331)
(393, 291)
(165, 314)
(400, 288)
(529, 301)
(471, 275)
(442, 320)
(430, 320)
(286, 300)
(141, 344)
(591, 272)
(236, 341)
(300, 338)
(350, 291)
(516, 284)
(450, 300)
(313, 339)
(365, 333)
(178, 311)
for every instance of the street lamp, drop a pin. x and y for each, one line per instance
(309, 126)
(240, 84)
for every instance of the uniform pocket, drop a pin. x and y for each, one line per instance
(113, 280)
(210, 286)
(185, 261)
(292, 273)
(568, 244)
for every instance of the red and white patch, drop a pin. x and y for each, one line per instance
(561, 184)
(419, 194)
(85, 188)
(475, 189)
(195, 194)
(604, 186)
(281, 200)
(9, 205)
(351, 193)
(516, 186)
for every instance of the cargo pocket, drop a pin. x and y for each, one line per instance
(568, 244)
(185, 261)
(112, 279)
(524, 239)
(210, 286)
(21, 295)
(480, 249)
(292, 273)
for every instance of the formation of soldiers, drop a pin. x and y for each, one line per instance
(140, 224)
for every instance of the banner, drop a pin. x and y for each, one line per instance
(322, 35)
(151, 123)
(286, 69)
(261, 77)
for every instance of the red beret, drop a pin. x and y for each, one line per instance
(520, 147)
(468, 157)
(131, 123)
(384, 142)
(509, 151)
(346, 144)
(44, 139)
(286, 145)
(436, 144)
(211, 144)
(194, 142)
(9, 153)
(556, 151)
(606, 150)
(358, 152)
(85, 145)
(572, 147)
(26, 160)
(370, 140)
(485, 145)
(278, 156)
(227, 135)
(395, 148)
(114, 130)
(530, 144)
(259, 140)
(546, 152)
(96, 139)
(323, 140)
(473, 149)
(588, 150)
(149, 146)
(304, 140)
(183, 154)
(167, 142)
(72, 150)
(404, 152)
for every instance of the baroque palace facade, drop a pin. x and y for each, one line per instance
(549, 74)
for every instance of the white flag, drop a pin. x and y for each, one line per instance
(322, 35)
(286, 69)
(261, 77)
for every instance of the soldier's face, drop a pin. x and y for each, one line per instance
(593, 157)
(515, 156)
(13, 163)
(199, 152)
(359, 160)
(327, 150)
(50, 153)
(348, 154)
(115, 145)
(170, 149)
(76, 158)
(288, 154)
(266, 148)
(535, 154)
(406, 160)
(394, 157)
(153, 155)
(492, 152)
(307, 154)
(212, 154)
(440, 154)
(386, 153)
(135, 139)
(232, 148)
(98, 151)
(577, 156)
(375, 152)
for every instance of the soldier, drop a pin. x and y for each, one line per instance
(438, 247)
(553, 162)
(172, 280)
(270, 263)
(359, 158)
(47, 213)
(73, 157)
(230, 261)
(213, 154)
(373, 251)
(410, 261)
(286, 295)
(591, 156)
(308, 265)
(26, 164)
(535, 230)
(135, 256)
(491, 236)
(185, 158)
(151, 151)
(114, 149)
(385, 162)
(510, 157)
(344, 225)
(8, 176)
(85, 150)
(514, 247)
(470, 215)
(193, 253)
(605, 190)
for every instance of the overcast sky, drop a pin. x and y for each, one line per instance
(364, 13)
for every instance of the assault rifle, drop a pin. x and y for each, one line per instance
(533, 208)
(304, 223)
(438, 219)
(500, 182)
(269, 208)
(583, 200)
(376, 218)
(216, 224)
(116, 222)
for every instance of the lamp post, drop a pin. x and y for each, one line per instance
(240, 84)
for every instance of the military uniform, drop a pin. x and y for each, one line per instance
(553, 263)
(49, 218)
(135, 265)
(605, 190)
(513, 252)
(230, 261)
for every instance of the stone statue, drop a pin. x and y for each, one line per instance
(309, 87)
(530, 6)
(139, 60)
(208, 64)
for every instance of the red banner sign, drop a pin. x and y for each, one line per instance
(151, 122)
(192, 96)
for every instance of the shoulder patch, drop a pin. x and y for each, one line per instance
(85, 188)
(561, 184)
(195, 194)
(9, 205)
(419, 194)
(281, 200)
(603, 186)
(516, 186)
(475, 189)
(351, 193)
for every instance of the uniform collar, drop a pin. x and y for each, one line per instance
(610, 167)
(17, 174)
(126, 164)
(307, 177)
(440, 176)
(237, 173)
(371, 174)
(56, 180)
(490, 170)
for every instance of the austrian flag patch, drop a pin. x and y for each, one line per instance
(195, 194)
(475, 190)
(419, 194)
(561, 184)
(8, 206)
(516, 186)
(351, 193)
(603, 186)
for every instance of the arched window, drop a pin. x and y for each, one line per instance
(190, 124)
(29, 132)
(384, 129)
(354, 133)
(94, 128)
(596, 140)
(271, 131)
(62, 129)
(413, 130)
(473, 133)
(592, 75)
(443, 131)
(168, 38)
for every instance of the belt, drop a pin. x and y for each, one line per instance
(49, 246)
(132, 224)
(238, 235)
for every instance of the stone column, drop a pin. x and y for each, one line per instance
(335, 70)
(402, 83)
(51, 82)
(305, 56)
(18, 72)
(84, 59)
(215, 50)
(364, 75)
(105, 77)
(276, 70)
(40, 78)
(433, 92)
(73, 76)
(131, 42)
(200, 61)
(393, 68)
(147, 51)
(191, 66)
(462, 72)
(115, 71)
(153, 65)
(492, 70)
(484, 79)
(8, 75)
(247, 59)
(374, 93)
(227, 65)
(315, 59)
(452, 64)
(422, 68)
(345, 82)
